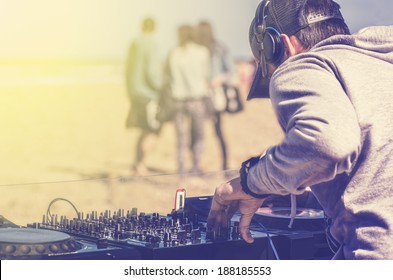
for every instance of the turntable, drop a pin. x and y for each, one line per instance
(18, 242)
(279, 218)
(30, 243)
(305, 239)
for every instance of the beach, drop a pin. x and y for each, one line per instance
(64, 136)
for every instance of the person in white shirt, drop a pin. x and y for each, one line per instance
(189, 66)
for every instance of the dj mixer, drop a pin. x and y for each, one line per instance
(181, 234)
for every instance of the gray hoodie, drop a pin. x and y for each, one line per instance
(335, 105)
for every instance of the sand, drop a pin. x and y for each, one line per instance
(63, 135)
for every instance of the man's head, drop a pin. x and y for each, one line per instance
(185, 34)
(148, 25)
(284, 28)
(204, 34)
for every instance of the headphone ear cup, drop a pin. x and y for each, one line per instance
(255, 45)
(273, 46)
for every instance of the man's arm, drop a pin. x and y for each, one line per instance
(322, 139)
(322, 133)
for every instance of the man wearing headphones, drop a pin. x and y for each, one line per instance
(332, 95)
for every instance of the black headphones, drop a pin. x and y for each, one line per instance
(266, 43)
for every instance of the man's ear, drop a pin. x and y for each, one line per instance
(292, 45)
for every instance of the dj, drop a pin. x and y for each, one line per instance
(332, 93)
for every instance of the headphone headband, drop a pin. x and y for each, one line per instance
(268, 39)
(285, 16)
(273, 18)
(261, 11)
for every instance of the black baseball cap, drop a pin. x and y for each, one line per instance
(287, 17)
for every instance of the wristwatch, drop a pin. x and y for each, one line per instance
(244, 170)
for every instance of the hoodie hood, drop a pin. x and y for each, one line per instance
(376, 41)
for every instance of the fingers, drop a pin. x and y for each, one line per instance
(244, 227)
(227, 199)
(218, 216)
(248, 207)
(247, 210)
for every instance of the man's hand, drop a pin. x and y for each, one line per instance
(228, 198)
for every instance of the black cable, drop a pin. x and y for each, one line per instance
(331, 242)
(48, 213)
(265, 230)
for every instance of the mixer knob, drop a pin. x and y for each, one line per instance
(182, 236)
(167, 237)
(125, 235)
(149, 238)
(71, 225)
(195, 234)
(235, 234)
(172, 223)
(134, 212)
(173, 230)
(195, 220)
(187, 227)
(156, 240)
(223, 233)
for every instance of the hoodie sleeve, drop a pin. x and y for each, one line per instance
(322, 134)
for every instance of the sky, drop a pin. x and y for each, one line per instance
(104, 28)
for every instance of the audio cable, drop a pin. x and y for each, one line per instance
(48, 213)
(271, 243)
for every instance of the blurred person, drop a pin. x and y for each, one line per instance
(144, 82)
(220, 78)
(332, 95)
(189, 66)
